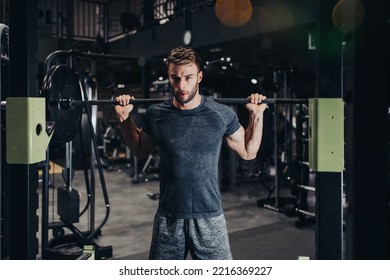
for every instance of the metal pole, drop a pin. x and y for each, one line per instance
(276, 179)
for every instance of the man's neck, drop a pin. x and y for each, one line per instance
(195, 102)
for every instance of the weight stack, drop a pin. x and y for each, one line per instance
(68, 205)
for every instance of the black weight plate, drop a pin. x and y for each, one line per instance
(59, 83)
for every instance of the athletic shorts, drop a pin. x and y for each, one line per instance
(205, 239)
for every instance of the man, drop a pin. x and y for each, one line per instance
(189, 130)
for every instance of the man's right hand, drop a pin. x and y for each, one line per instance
(124, 107)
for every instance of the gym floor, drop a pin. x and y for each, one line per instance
(255, 232)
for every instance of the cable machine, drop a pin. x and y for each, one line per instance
(67, 196)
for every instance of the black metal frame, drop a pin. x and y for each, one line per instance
(21, 179)
(84, 238)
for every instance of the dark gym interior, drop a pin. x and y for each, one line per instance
(279, 206)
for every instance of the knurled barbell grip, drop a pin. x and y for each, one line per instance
(113, 102)
(242, 101)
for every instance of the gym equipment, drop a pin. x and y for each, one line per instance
(61, 83)
(64, 104)
(28, 133)
(69, 103)
(304, 183)
(64, 107)
(326, 134)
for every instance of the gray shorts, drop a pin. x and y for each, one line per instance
(205, 239)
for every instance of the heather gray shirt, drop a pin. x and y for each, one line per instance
(189, 144)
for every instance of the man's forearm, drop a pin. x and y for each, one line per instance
(253, 134)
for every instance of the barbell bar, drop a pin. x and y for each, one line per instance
(70, 103)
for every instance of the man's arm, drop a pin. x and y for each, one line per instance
(246, 143)
(139, 143)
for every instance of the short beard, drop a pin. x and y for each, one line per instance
(191, 96)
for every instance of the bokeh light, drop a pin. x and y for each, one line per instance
(264, 19)
(233, 13)
(348, 15)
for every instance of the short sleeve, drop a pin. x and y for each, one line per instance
(233, 123)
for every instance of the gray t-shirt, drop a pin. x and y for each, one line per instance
(190, 144)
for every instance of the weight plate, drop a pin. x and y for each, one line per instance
(59, 83)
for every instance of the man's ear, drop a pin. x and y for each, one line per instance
(200, 76)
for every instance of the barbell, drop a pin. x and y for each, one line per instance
(64, 102)
(61, 105)
(69, 103)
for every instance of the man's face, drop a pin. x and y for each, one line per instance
(184, 80)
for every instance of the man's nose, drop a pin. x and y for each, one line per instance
(182, 84)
